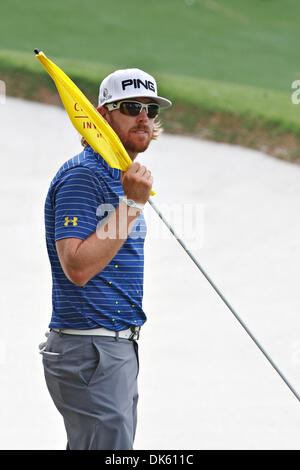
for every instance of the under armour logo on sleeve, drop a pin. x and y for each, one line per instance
(67, 220)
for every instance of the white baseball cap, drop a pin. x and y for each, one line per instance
(130, 83)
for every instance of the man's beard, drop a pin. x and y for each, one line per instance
(128, 137)
(136, 147)
(132, 144)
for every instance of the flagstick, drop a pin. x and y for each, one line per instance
(36, 51)
(224, 300)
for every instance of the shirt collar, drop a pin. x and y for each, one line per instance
(115, 173)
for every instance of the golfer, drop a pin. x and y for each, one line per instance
(95, 232)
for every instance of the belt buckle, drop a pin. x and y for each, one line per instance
(135, 333)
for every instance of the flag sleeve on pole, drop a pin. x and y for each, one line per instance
(86, 119)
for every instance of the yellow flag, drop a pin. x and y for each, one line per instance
(86, 119)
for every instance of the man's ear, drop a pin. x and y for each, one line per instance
(103, 111)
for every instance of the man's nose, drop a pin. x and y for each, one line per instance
(143, 115)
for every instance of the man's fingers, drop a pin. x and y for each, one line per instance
(133, 168)
(142, 170)
(136, 167)
(137, 182)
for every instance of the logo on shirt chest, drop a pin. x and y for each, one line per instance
(73, 221)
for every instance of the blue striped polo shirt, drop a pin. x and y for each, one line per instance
(74, 207)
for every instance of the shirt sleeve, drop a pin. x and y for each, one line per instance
(76, 198)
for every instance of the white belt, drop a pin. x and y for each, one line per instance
(131, 333)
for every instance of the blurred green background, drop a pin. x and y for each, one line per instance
(228, 65)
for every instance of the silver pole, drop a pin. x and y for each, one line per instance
(224, 300)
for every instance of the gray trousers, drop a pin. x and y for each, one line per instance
(93, 383)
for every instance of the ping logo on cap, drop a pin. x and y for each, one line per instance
(137, 82)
